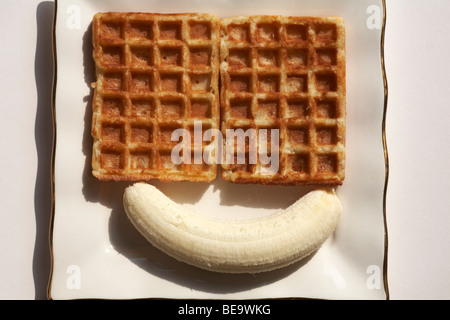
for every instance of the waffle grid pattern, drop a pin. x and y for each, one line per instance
(155, 73)
(286, 73)
(160, 72)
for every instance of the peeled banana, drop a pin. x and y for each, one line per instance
(233, 246)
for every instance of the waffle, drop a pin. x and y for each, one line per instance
(288, 74)
(154, 73)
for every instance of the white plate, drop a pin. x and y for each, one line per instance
(98, 254)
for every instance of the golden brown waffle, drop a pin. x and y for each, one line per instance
(155, 73)
(285, 73)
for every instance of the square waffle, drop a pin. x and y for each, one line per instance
(155, 73)
(288, 74)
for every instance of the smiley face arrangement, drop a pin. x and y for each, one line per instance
(285, 76)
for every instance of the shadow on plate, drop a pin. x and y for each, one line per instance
(43, 134)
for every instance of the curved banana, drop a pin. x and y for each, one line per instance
(227, 246)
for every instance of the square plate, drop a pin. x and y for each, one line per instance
(97, 253)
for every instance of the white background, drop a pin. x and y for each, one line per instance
(418, 218)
